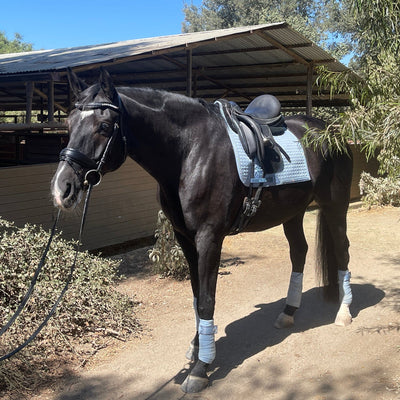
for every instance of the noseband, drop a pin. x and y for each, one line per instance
(93, 175)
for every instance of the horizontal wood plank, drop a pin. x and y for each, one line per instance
(123, 208)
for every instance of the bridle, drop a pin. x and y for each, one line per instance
(94, 168)
(92, 178)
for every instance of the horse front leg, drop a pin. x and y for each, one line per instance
(209, 254)
(298, 250)
(190, 252)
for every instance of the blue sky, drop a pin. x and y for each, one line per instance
(51, 24)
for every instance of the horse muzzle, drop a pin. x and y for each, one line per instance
(66, 188)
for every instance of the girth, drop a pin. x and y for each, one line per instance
(256, 128)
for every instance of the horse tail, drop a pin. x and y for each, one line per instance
(327, 266)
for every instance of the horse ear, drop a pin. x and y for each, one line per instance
(107, 84)
(76, 84)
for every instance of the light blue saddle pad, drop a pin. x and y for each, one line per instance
(293, 171)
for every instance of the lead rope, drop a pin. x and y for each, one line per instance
(33, 282)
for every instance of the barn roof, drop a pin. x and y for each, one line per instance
(236, 63)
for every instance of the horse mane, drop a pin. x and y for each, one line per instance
(156, 98)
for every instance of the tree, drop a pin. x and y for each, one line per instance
(15, 45)
(373, 120)
(326, 22)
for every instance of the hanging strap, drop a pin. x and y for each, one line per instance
(57, 302)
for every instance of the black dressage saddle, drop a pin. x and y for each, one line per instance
(256, 126)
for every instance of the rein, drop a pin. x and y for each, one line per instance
(34, 279)
(92, 178)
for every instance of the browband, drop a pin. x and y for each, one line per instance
(96, 105)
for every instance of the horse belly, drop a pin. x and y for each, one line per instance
(280, 204)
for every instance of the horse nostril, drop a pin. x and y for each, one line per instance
(67, 191)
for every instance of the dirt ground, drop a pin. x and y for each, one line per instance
(315, 360)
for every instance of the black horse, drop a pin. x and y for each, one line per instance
(183, 143)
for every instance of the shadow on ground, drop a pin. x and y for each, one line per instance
(244, 338)
(255, 332)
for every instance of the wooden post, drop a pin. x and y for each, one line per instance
(194, 91)
(189, 72)
(310, 70)
(50, 100)
(29, 101)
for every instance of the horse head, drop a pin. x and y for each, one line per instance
(96, 143)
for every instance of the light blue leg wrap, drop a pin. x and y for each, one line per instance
(345, 293)
(295, 289)
(207, 331)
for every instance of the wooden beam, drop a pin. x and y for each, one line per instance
(29, 100)
(189, 76)
(50, 101)
(200, 73)
(279, 45)
(33, 127)
(44, 96)
(310, 73)
(250, 49)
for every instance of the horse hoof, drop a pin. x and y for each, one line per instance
(284, 321)
(343, 317)
(194, 384)
(192, 352)
(343, 320)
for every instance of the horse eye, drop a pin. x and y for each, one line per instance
(104, 126)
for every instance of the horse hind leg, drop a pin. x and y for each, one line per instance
(343, 317)
(333, 259)
(298, 250)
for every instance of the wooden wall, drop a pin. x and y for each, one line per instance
(122, 208)
(360, 164)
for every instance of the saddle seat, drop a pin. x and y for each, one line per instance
(256, 127)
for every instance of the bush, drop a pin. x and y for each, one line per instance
(379, 191)
(166, 255)
(91, 312)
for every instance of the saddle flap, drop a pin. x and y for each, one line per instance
(248, 141)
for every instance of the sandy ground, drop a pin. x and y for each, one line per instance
(315, 360)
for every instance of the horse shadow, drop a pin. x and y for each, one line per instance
(254, 333)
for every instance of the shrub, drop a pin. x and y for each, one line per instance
(91, 312)
(166, 255)
(379, 191)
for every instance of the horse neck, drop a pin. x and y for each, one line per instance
(158, 126)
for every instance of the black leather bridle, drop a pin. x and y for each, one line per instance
(94, 168)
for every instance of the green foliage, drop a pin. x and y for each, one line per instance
(91, 312)
(373, 120)
(379, 191)
(378, 25)
(166, 255)
(15, 45)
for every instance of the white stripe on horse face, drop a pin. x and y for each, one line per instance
(86, 113)
(57, 192)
